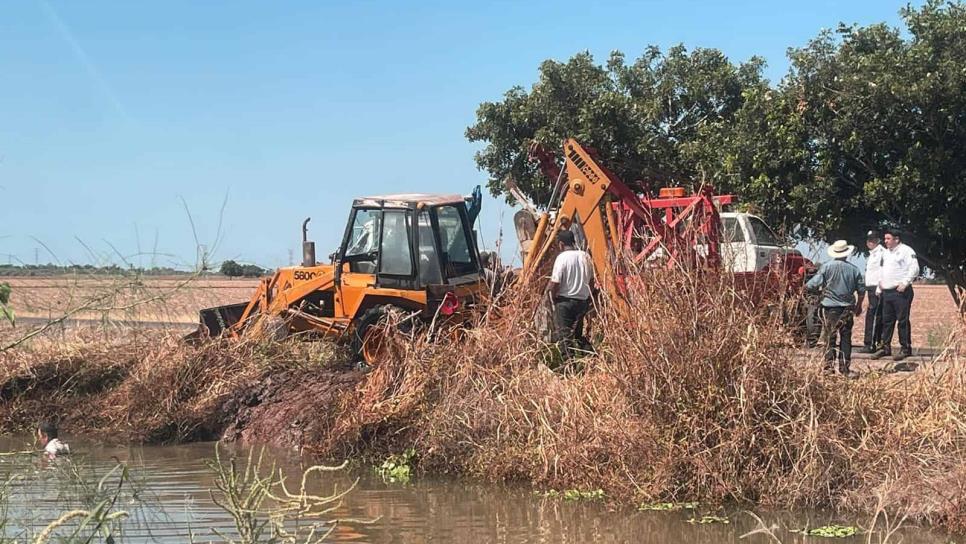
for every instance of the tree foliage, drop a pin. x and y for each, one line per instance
(253, 271)
(868, 128)
(50, 269)
(645, 118)
(231, 269)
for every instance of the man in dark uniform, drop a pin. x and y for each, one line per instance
(899, 268)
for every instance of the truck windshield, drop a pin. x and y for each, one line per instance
(764, 236)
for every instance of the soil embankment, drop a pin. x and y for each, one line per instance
(286, 408)
(150, 387)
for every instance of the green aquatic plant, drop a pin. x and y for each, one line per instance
(100, 515)
(573, 494)
(397, 468)
(667, 506)
(4, 502)
(705, 520)
(830, 531)
(6, 312)
(265, 508)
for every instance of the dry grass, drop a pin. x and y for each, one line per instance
(694, 394)
(137, 387)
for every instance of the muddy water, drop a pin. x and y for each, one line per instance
(172, 499)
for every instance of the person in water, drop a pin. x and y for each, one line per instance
(48, 440)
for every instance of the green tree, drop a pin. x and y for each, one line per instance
(868, 128)
(252, 271)
(231, 269)
(646, 119)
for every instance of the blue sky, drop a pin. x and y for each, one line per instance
(111, 113)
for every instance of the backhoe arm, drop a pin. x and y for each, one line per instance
(588, 190)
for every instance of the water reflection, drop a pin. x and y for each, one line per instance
(173, 503)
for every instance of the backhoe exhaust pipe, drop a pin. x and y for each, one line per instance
(308, 248)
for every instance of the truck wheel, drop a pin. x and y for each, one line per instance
(370, 339)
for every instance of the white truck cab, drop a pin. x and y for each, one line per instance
(748, 244)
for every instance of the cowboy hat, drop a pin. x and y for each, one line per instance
(840, 249)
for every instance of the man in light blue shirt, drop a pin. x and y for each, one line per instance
(841, 282)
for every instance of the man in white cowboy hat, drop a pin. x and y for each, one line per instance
(843, 290)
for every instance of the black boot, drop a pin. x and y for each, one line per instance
(881, 353)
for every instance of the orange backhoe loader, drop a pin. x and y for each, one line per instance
(412, 252)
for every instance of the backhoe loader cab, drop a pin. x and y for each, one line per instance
(410, 241)
(411, 252)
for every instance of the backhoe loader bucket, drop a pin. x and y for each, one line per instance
(213, 322)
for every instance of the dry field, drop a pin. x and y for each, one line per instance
(934, 317)
(178, 299)
(163, 299)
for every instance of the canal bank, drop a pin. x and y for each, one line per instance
(683, 403)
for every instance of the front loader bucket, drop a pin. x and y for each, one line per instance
(213, 322)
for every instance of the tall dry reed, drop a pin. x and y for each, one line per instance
(696, 392)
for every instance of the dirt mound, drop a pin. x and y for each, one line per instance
(283, 409)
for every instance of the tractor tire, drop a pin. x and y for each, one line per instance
(368, 335)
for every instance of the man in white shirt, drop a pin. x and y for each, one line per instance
(899, 268)
(873, 271)
(47, 438)
(570, 291)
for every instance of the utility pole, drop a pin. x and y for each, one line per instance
(290, 253)
(37, 256)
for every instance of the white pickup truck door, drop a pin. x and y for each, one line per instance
(765, 244)
(748, 244)
(736, 251)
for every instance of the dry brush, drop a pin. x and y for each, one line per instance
(694, 393)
